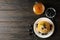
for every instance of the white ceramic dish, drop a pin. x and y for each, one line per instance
(39, 34)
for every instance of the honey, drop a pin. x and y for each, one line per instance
(38, 8)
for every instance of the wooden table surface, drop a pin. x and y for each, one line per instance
(16, 15)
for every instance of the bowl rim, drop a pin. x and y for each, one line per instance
(43, 36)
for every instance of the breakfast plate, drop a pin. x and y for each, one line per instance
(47, 31)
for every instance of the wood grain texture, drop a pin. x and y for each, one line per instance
(16, 15)
(13, 22)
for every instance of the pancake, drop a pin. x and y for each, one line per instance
(43, 27)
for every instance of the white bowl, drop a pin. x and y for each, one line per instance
(39, 34)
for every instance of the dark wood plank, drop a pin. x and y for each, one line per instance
(16, 15)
